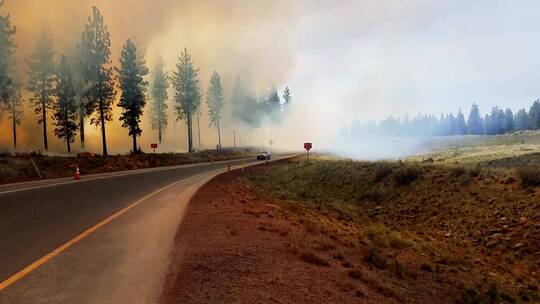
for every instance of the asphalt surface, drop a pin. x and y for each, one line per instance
(36, 218)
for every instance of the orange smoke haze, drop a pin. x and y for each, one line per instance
(253, 39)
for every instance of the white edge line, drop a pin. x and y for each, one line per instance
(79, 237)
(121, 173)
(44, 259)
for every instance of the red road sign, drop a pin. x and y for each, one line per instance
(153, 146)
(307, 146)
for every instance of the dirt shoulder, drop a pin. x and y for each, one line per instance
(240, 244)
(233, 247)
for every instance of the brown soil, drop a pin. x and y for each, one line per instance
(236, 245)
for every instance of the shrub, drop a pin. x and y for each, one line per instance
(458, 171)
(426, 267)
(473, 296)
(355, 274)
(406, 175)
(314, 259)
(373, 195)
(530, 176)
(377, 259)
(396, 241)
(382, 170)
(474, 171)
(401, 271)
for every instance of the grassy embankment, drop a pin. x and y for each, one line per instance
(19, 167)
(477, 224)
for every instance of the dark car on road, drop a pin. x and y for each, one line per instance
(264, 155)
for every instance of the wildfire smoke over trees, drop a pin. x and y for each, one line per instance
(91, 41)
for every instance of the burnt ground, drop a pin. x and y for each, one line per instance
(240, 244)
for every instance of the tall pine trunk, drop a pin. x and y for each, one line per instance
(159, 132)
(14, 118)
(218, 134)
(102, 119)
(44, 118)
(81, 128)
(102, 115)
(68, 134)
(190, 139)
(198, 130)
(135, 144)
(160, 120)
(68, 139)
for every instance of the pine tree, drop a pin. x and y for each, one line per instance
(474, 121)
(15, 111)
(215, 101)
(7, 62)
(534, 115)
(451, 124)
(460, 125)
(95, 51)
(522, 120)
(487, 124)
(65, 109)
(41, 79)
(158, 94)
(287, 96)
(287, 99)
(133, 90)
(508, 122)
(187, 96)
(496, 120)
(79, 83)
(274, 104)
(440, 129)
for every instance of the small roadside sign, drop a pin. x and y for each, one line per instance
(154, 146)
(308, 147)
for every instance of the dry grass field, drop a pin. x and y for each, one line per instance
(476, 223)
(506, 150)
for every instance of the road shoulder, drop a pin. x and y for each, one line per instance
(125, 261)
(234, 247)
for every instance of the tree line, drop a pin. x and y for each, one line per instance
(84, 85)
(497, 121)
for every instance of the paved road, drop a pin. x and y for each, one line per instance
(122, 262)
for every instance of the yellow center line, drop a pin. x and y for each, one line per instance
(28, 269)
(25, 271)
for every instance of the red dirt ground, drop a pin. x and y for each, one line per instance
(234, 246)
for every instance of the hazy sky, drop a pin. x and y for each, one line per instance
(374, 58)
(342, 59)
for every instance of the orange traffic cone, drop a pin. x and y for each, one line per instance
(77, 174)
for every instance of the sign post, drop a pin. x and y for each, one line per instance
(154, 146)
(308, 147)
